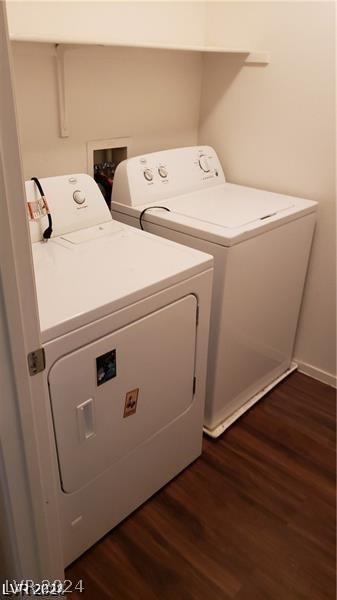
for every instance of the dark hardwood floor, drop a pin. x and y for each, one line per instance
(252, 519)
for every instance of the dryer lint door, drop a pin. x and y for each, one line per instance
(112, 395)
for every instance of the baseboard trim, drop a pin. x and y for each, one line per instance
(316, 373)
(228, 421)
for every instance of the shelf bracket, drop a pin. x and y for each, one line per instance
(61, 90)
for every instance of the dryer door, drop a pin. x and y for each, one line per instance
(112, 395)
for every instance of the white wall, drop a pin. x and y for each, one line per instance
(273, 127)
(106, 21)
(150, 96)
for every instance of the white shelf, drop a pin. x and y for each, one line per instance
(248, 56)
(62, 44)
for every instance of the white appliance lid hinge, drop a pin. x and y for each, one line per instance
(36, 361)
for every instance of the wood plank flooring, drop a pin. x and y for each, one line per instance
(252, 519)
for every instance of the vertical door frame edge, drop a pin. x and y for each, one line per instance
(29, 454)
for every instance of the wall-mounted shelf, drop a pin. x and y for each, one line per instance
(243, 55)
(248, 56)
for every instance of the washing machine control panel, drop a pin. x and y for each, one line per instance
(154, 177)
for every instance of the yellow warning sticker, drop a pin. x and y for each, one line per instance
(131, 400)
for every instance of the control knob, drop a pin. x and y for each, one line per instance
(148, 174)
(203, 162)
(162, 172)
(79, 196)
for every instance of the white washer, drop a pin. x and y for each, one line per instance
(124, 319)
(260, 242)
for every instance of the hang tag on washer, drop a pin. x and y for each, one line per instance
(38, 208)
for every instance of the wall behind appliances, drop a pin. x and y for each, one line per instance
(153, 96)
(108, 21)
(274, 128)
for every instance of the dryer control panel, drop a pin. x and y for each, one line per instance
(75, 203)
(165, 174)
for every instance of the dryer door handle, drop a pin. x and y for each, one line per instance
(86, 420)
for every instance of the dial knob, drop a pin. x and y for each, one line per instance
(79, 196)
(203, 162)
(162, 172)
(148, 174)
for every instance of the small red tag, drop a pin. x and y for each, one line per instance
(38, 208)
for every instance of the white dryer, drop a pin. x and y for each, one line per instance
(124, 318)
(260, 242)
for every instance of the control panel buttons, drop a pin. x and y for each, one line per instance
(203, 163)
(148, 174)
(162, 172)
(79, 197)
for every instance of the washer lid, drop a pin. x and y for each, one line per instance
(226, 214)
(230, 206)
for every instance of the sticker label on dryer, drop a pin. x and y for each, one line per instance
(131, 400)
